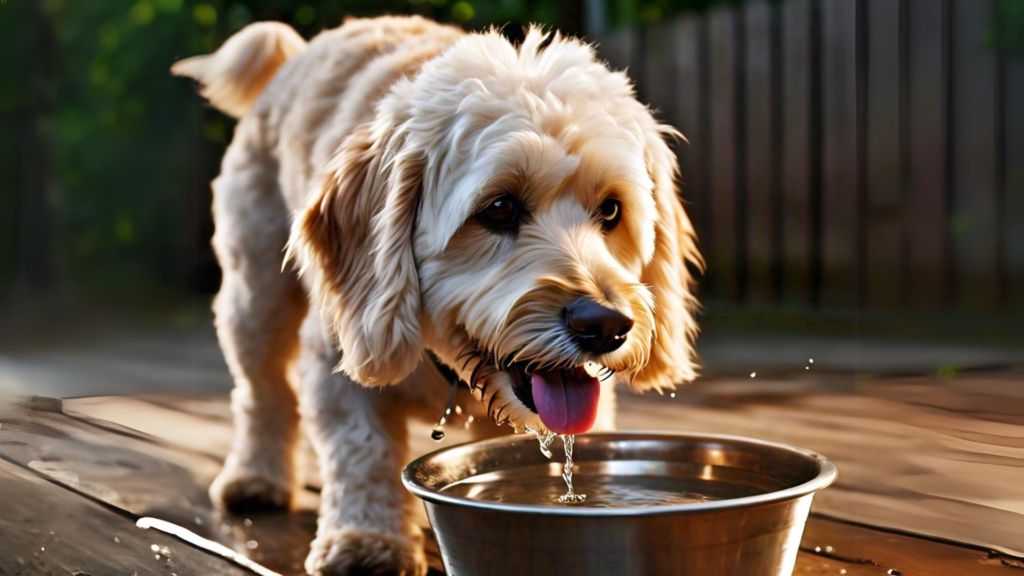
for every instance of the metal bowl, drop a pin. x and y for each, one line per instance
(755, 533)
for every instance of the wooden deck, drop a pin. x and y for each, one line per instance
(939, 458)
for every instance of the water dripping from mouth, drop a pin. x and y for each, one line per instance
(570, 497)
(437, 433)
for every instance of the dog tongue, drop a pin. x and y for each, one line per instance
(566, 400)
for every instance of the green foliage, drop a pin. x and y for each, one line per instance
(1007, 33)
(133, 149)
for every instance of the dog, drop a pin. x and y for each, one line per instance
(396, 188)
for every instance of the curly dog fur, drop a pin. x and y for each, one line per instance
(347, 229)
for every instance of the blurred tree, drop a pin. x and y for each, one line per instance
(110, 158)
(31, 235)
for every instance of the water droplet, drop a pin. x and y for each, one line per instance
(817, 549)
(251, 544)
(894, 572)
(43, 548)
(458, 409)
(157, 556)
(842, 571)
(470, 419)
(248, 522)
(828, 549)
(117, 540)
(199, 521)
(437, 434)
(442, 421)
(753, 374)
(807, 367)
(672, 395)
(811, 360)
(154, 548)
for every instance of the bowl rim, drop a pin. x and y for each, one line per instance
(827, 474)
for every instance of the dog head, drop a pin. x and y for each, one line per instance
(514, 211)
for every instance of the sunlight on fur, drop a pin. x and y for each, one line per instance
(376, 155)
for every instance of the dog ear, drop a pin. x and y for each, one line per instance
(672, 358)
(355, 239)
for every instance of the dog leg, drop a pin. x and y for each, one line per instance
(258, 313)
(366, 521)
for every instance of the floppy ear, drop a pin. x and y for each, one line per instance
(672, 359)
(355, 239)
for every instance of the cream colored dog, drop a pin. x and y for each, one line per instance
(510, 209)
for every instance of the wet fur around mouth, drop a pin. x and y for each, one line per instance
(519, 371)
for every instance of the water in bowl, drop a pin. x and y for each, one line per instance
(619, 484)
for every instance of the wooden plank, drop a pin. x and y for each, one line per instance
(78, 534)
(762, 147)
(115, 464)
(842, 111)
(885, 153)
(1013, 200)
(47, 529)
(799, 154)
(938, 457)
(725, 165)
(975, 182)
(690, 84)
(829, 546)
(927, 219)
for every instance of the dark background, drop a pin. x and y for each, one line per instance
(106, 159)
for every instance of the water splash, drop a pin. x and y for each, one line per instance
(545, 439)
(570, 497)
(200, 542)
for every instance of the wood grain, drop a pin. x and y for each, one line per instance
(940, 457)
(47, 529)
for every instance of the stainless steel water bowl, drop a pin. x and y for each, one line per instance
(755, 534)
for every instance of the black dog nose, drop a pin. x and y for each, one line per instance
(597, 329)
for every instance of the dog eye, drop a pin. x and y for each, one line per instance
(611, 213)
(501, 213)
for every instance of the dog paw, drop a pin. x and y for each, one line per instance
(236, 491)
(351, 551)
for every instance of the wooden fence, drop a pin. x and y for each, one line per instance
(845, 153)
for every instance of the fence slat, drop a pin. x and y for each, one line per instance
(798, 155)
(1013, 204)
(690, 87)
(762, 149)
(619, 48)
(974, 139)
(884, 212)
(724, 167)
(841, 127)
(927, 218)
(659, 66)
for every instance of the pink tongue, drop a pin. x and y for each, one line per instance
(566, 400)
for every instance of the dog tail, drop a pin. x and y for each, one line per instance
(233, 77)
